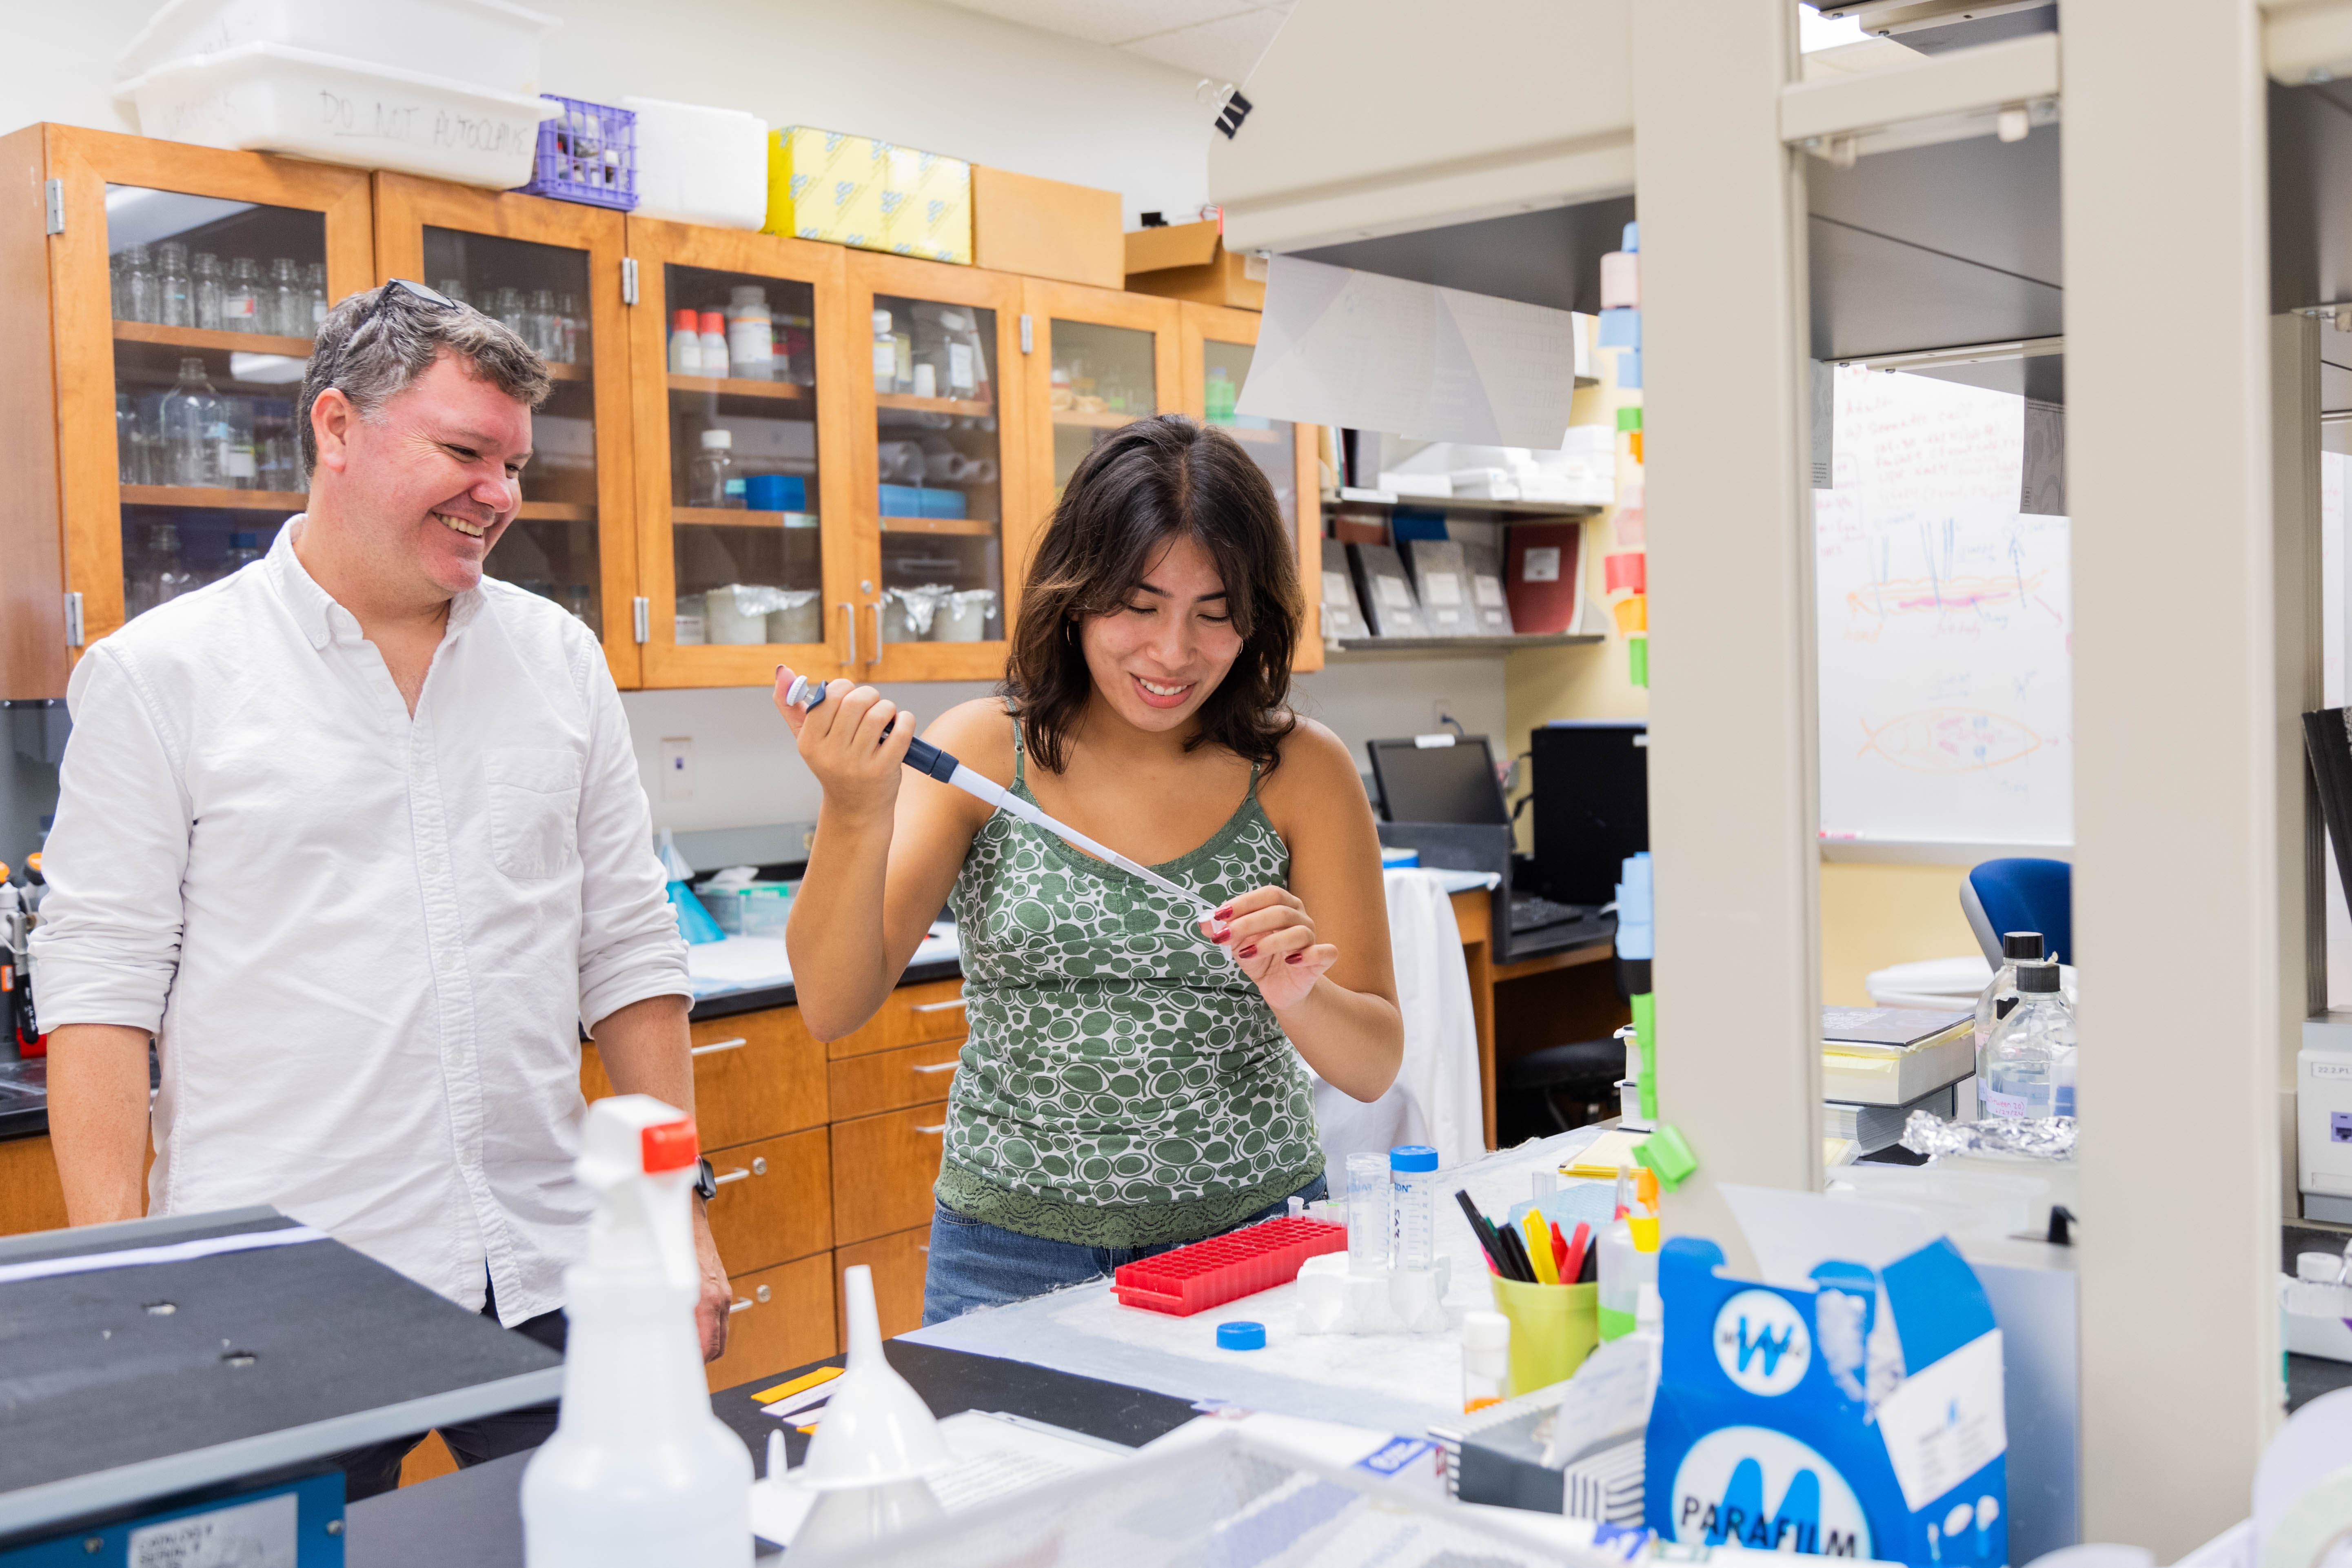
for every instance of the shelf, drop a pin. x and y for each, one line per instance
(913, 403)
(741, 386)
(1096, 421)
(1468, 503)
(1247, 432)
(556, 511)
(1371, 649)
(570, 372)
(215, 499)
(977, 526)
(737, 516)
(203, 338)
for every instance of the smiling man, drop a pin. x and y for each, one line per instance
(356, 836)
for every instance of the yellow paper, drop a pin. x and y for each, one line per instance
(1599, 1162)
(800, 1385)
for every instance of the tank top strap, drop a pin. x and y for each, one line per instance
(1258, 770)
(1020, 757)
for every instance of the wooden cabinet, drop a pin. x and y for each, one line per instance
(1109, 359)
(30, 1197)
(553, 272)
(783, 1317)
(898, 1262)
(755, 1074)
(774, 1200)
(889, 1080)
(885, 1166)
(914, 1015)
(1215, 348)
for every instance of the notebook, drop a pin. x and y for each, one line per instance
(1385, 592)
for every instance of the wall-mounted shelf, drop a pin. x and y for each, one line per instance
(741, 386)
(1365, 649)
(280, 501)
(204, 338)
(913, 403)
(734, 517)
(979, 527)
(1460, 503)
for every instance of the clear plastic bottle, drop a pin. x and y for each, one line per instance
(2000, 993)
(205, 289)
(290, 305)
(1485, 1359)
(1413, 1182)
(241, 306)
(191, 420)
(314, 287)
(2022, 1058)
(568, 323)
(546, 326)
(172, 295)
(751, 334)
(713, 331)
(685, 345)
(886, 355)
(1629, 1259)
(1371, 1228)
(142, 299)
(713, 466)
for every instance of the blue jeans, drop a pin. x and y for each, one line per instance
(974, 1265)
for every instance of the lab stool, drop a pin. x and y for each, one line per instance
(1542, 1088)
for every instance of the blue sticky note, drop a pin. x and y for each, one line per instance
(1632, 237)
(1621, 328)
(1629, 371)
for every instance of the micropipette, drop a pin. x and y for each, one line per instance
(932, 763)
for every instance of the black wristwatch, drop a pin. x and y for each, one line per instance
(706, 1180)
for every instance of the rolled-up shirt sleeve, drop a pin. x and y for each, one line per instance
(629, 945)
(107, 944)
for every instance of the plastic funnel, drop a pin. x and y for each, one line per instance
(876, 1429)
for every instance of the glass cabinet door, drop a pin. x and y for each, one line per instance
(730, 465)
(1109, 358)
(551, 271)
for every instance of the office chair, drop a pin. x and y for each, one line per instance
(2020, 894)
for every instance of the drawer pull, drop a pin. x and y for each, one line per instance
(937, 1007)
(759, 1298)
(942, 1127)
(924, 1251)
(936, 1067)
(758, 1168)
(718, 1046)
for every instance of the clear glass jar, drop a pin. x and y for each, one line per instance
(241, 298)
(290, 304)
(191, 418)
(455, 288)
(314, 288)
(126, 439)
(507, 307)
(240, 464)
(172, 287)
(713, 466)
(205, 289)
(162, 573)
(2022, 1057)
(2000, 993)
(141, 296)
(886, 355)
(568, 319)
(546, 333)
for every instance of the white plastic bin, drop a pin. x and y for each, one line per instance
(490, 43)
(701, 165)
(268, 98)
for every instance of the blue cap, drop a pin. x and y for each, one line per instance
(1632, 241)
(1413, 1157)
(1241, 1336)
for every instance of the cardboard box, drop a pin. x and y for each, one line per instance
(1189, 261)
(825, 186)
(927, 205)
(1044, 229)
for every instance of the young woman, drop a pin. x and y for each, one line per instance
(1133, 1079)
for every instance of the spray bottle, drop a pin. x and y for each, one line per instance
(639, 1470)
(1629, 1252)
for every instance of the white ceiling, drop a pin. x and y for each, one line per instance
(1218, 39)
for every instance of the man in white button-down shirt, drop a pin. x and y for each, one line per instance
(356, 836)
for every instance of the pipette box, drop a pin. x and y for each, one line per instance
(1225, 1267)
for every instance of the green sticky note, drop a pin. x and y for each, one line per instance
(1637, 661)
(1666, 1152)
(1645, 1044)
(1629, 418)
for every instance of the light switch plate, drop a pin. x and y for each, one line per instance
(677, 767)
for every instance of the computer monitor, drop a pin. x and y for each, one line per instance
(1591, 779)
(1438, 778)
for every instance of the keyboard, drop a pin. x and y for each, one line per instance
(1529, 912)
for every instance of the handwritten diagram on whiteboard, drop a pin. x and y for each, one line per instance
(1946, 687)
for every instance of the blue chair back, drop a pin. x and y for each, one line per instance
(2022, 894)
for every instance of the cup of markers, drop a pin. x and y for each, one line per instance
(1546, 1282)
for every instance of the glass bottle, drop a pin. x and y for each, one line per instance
(141, 295)
(2000, 993)
(191, 417)
(240, 468)
(751, 334)
(567, 317)
(314, 286)
(714, 465)
(507, 306)
(241, 306)
(456, 289)
(886, 355)
(546, 333)
(685, 344)
(172, 285)
(289, 306)
(2025, 1054)
(162, 575)
(204, 274)
(116, 291)
(126, 439)
(244, 550)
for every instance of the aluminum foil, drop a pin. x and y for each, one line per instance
(2037, 1138)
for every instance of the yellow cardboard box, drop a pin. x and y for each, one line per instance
(928, 200)
(826, 185)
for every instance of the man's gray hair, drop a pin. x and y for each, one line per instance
(372, 354)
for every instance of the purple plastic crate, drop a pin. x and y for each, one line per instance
(587, 152)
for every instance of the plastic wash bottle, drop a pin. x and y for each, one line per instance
(639, 1470)
(1629, 1257)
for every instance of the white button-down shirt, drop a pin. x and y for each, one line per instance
(365, 941)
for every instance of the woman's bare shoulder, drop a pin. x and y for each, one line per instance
(979, 734)
(1314, 762)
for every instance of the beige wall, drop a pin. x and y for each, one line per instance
(1874, 915)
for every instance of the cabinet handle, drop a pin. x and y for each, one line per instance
(936, 1067)
(942, 1127)
(740, 1305)
(937, 1007)
(716, 1047)
(758, 1168)
(849, 615)
(923, 1249)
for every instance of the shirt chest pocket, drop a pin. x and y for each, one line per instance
(534, 798)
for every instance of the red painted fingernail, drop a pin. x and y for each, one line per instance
(1221, 936)
(1249, 952)
(1292, 957)
(1225, 914)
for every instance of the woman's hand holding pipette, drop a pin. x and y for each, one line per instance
(1272, 937)
(848, 744)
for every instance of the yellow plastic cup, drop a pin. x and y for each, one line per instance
(1553, 1329)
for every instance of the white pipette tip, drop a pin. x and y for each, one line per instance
(776, 1460)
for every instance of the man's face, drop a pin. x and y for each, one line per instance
(435, 480)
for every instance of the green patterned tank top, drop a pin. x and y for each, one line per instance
(1124, 1084)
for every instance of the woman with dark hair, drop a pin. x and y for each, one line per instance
(1133, 1080)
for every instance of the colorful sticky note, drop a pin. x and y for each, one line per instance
(1632, 615)
(1629, 418)
(1620, 329)
(1627, 571)
(1637, 660)
(1629, 371)
(1666, 1152)
(800, 1385)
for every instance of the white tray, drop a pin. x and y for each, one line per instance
(498, 42)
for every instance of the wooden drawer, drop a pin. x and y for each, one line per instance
(783, 1317)
(889, 1080)
(30, 1195)
(774, 1202)
(886, 1165)
(898, 1262)
(755, 1074)
(913, 1015)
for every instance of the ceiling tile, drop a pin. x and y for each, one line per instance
(1227, 48)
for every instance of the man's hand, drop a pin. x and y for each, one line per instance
(712, 1310)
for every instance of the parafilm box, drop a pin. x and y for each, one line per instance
(825, 186)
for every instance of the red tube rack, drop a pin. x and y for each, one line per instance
(1225, 1267)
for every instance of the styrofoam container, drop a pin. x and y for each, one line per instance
(495, 44)
(696, 164)
(269, 98)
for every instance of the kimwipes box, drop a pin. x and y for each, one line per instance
(1189, 261)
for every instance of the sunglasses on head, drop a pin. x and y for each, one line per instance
(384, 297)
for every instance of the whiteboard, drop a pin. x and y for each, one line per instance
(1946, 624)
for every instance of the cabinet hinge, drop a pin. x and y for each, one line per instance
(1028, 336)
(641, 611)
(628, 280)
(73, 620)
(53, 203)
